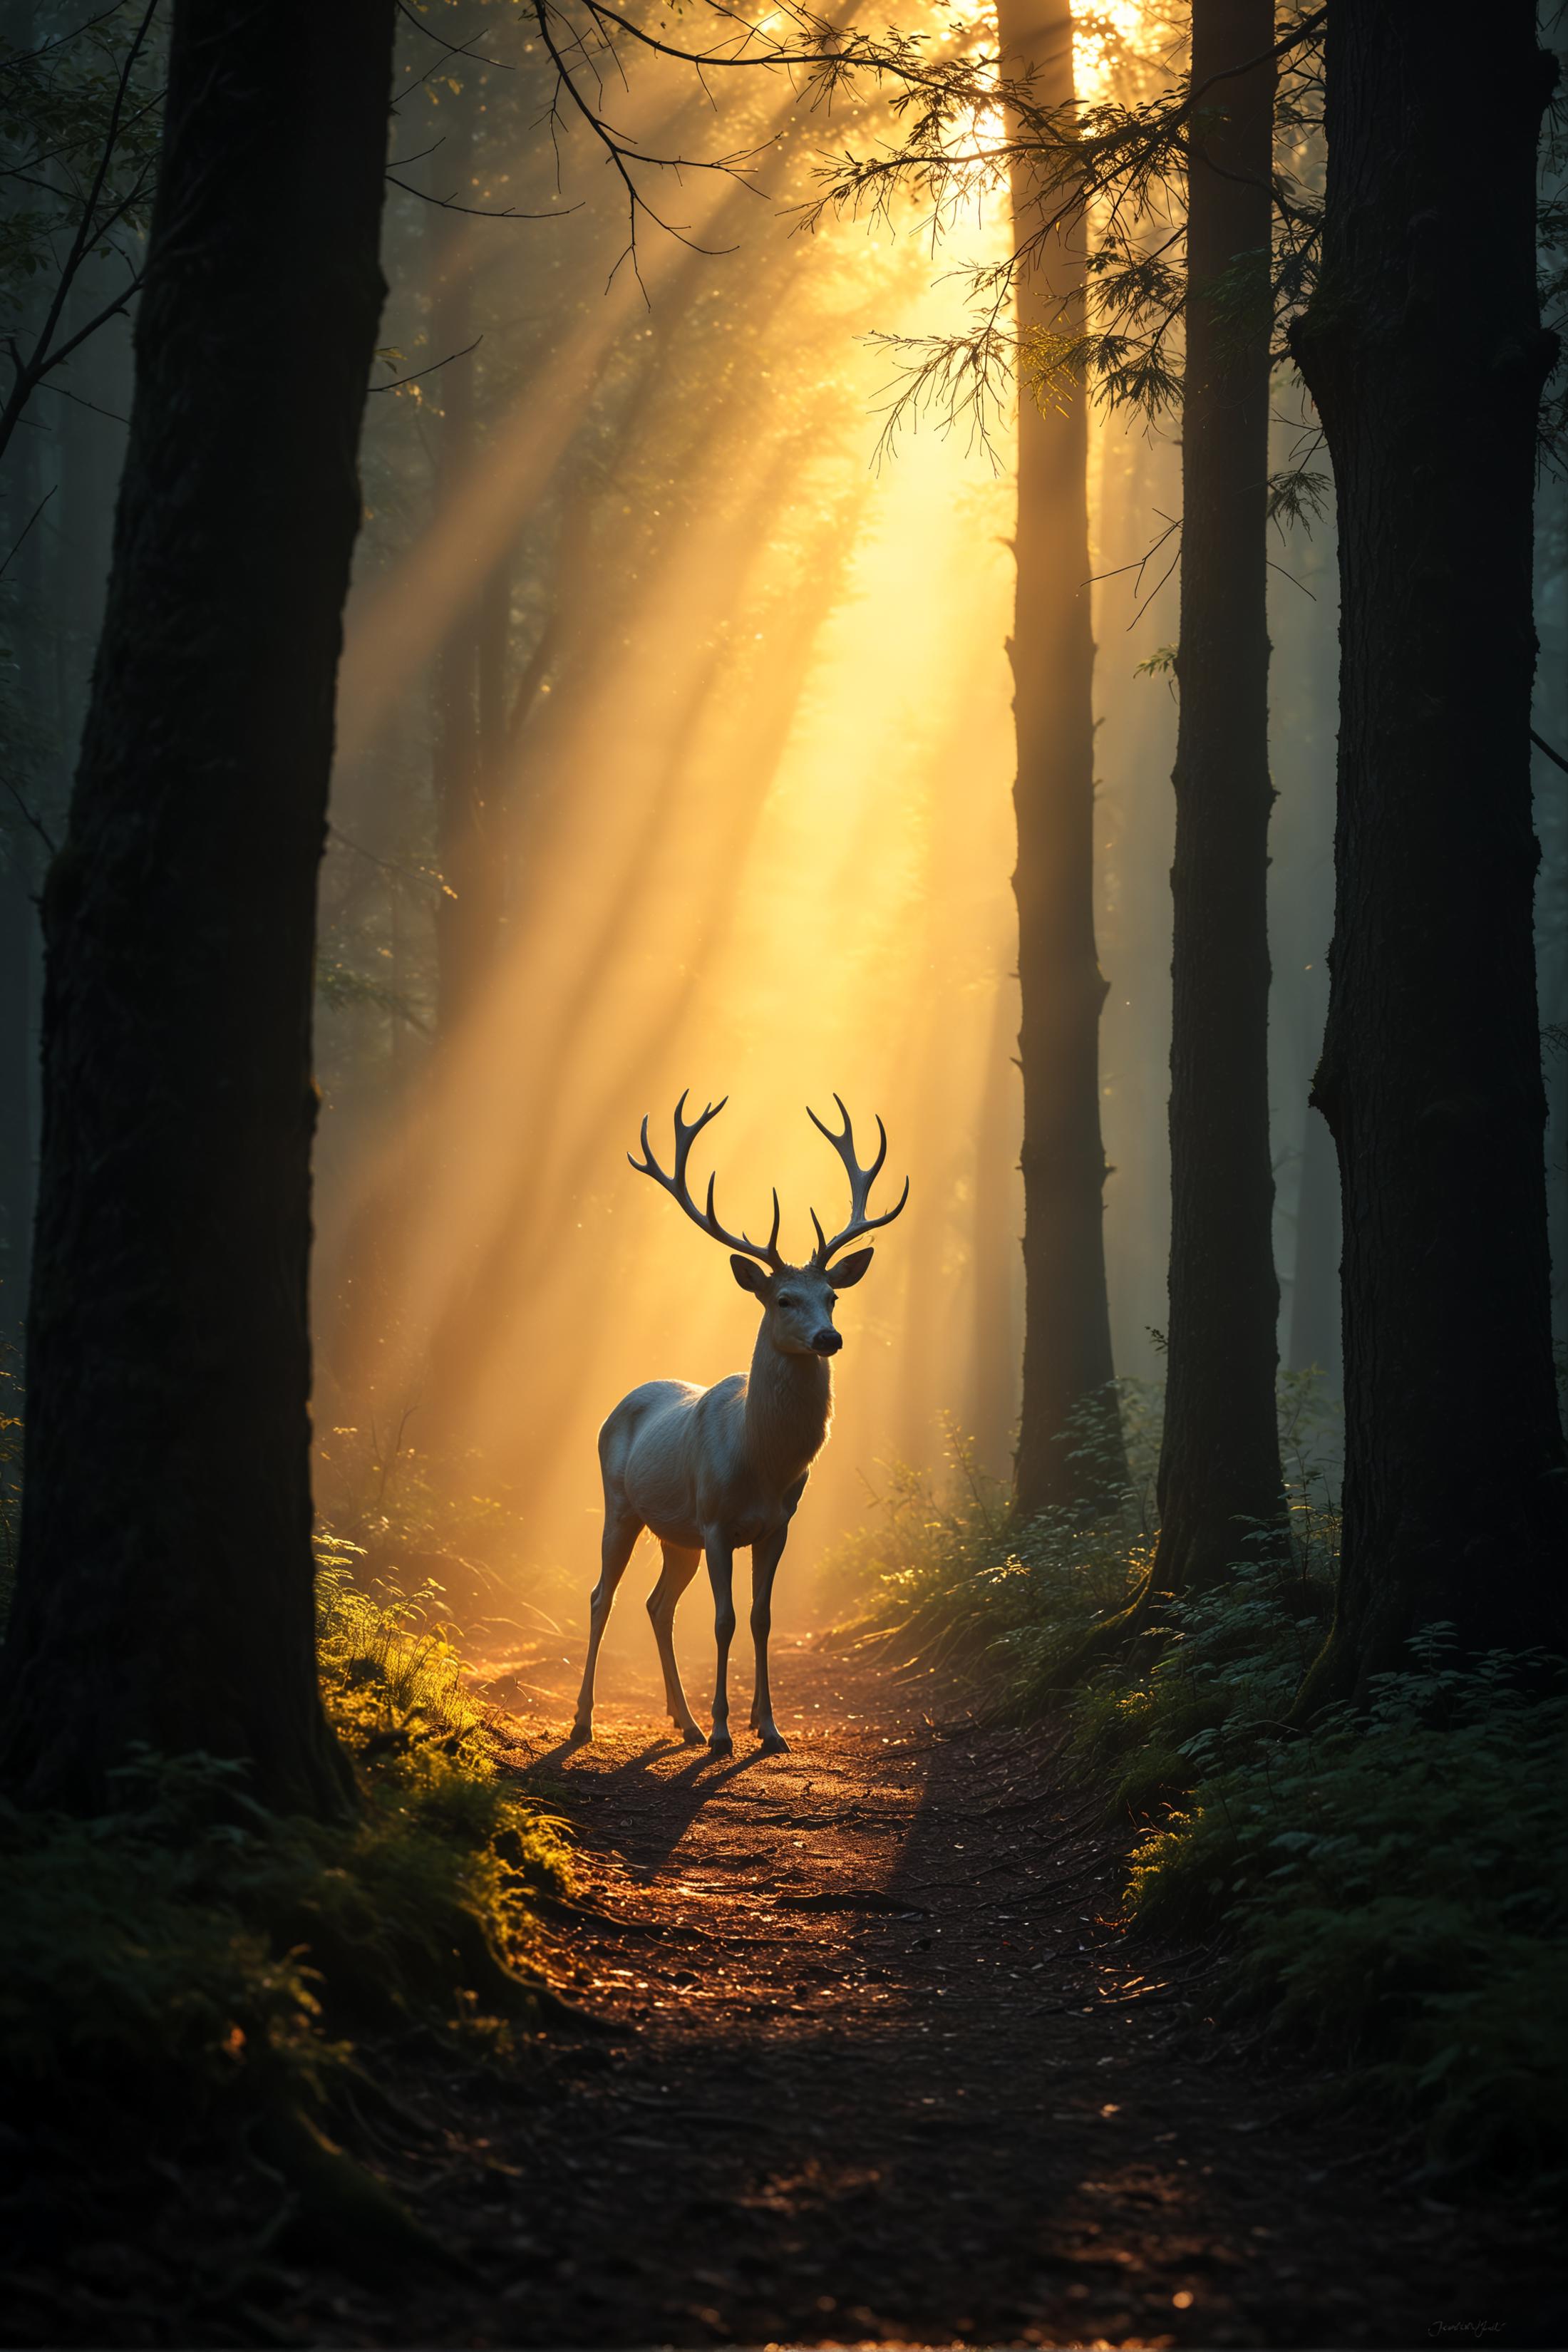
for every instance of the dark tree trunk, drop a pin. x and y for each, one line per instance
(16, 923)
(165, 1589)
(1219, 1462)
(1315, 1304)
(995, 1391)
(1068, 1367)
(1455, 1503)
(37, 603)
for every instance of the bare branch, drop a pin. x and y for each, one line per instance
(419, 374)
(90, 230)
(478, 212)
(26, 527)
(450, 48)
(34, 819)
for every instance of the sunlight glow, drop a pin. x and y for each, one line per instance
(763, 847)
(1103, 34)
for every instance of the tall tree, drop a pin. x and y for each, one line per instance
(1067, 1324)
(1315, 1303)
(16, 920)
(1455, 1501)
(166, 1586)
(1219, 1460)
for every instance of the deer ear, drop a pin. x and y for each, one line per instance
(845, 1276)
(749, 1275)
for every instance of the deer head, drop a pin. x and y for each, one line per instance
(797, 1301)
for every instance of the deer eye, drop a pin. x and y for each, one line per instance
(786, 1298)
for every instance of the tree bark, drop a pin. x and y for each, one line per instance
(16, 922)
(1068, 1453)
(165, 1592)
(1315, 1307)
(1219, 1475)
(1456, 1502)
(993, 1301)
(25, 491)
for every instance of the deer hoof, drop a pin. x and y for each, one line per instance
(692, 1736)
(579, 1735)
(721, 1743)
(774, 1744)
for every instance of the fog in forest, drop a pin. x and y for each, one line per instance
(582, 580)
(747, 764)
(716, 665)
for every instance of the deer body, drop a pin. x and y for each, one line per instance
(685, 1459)
(714, 1471)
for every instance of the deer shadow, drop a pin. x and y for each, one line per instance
(646, 1812)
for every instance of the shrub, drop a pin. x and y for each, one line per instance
(1394, 1884)
(1397, 1883)
(946, 1575)
(191, 1950)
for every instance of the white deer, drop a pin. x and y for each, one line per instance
(711, 1470)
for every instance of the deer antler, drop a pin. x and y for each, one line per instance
(686, 1133)
(860, 1182)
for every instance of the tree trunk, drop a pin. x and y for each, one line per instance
(165, 1588)
(995, 1296)
(17, 921)
(1315, 1307)
(1219, 1463)
(1068, 1452)
(37, 608)
(1456, 1502)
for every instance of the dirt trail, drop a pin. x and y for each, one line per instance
(887, 2073)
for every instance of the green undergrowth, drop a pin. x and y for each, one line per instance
(1390, 1886)
(441, 1524)
(1395, 1881)
(192, 1958)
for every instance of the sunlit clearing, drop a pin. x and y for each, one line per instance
(758, 835)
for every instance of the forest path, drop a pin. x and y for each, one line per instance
(890, 2073)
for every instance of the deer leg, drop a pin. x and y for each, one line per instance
(621, 1532)
(722, 1576)
(765, 1557)
(679, 1568)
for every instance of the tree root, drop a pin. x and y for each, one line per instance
(342, 2210)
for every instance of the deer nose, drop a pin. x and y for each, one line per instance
(828, 1341)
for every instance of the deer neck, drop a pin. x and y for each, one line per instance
(789, 1403)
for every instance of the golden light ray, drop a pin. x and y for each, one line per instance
(774, 863)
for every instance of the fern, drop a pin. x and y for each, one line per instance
(1393, 1885)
